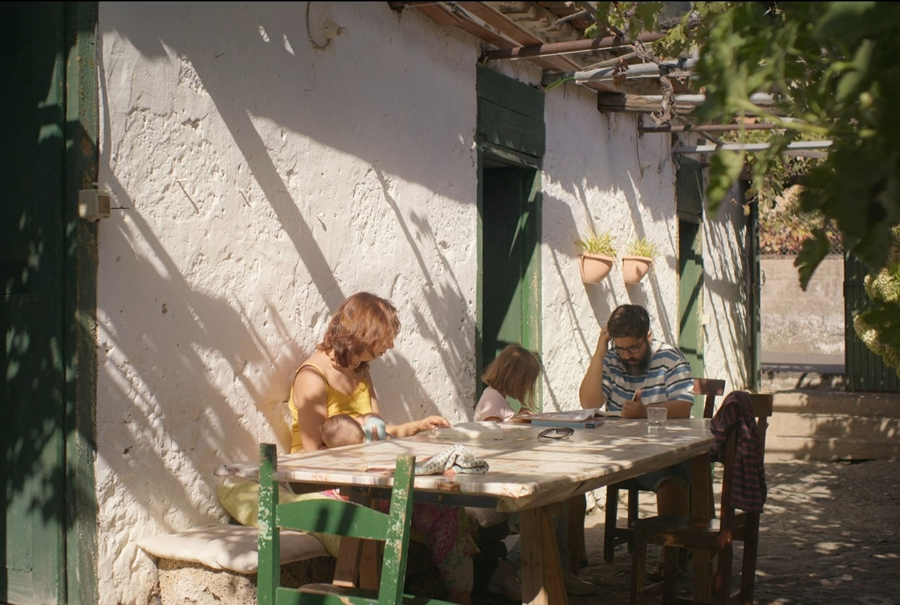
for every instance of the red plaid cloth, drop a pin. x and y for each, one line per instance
(748, 492)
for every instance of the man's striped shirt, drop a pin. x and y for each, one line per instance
(668, 378)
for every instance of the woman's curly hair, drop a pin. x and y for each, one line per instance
(362, 323)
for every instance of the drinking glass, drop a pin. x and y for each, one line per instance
(656, 418)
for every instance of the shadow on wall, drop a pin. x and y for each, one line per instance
(602, 300)
(215, 339)
(233, 74)
(730, 284)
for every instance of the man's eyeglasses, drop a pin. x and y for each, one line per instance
(632, 350)
(562, 432)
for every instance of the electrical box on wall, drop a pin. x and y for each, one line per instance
(94, 204)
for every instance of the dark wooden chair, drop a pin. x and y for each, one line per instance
(613, 535)
(714, 535)
(341, 518)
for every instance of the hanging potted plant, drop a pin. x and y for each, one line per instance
(598, 253)
(638, 260)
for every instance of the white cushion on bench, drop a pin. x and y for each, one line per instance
(230, 547)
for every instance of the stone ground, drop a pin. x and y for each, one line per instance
(830, 534)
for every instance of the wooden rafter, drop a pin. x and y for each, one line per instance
(495, 28)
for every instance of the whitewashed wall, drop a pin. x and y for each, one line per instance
(599, 171)
(725, 295)
(265, 181)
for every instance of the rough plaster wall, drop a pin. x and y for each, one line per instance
(797, 321)
(265, 181)
(598, 170)
(725, 303)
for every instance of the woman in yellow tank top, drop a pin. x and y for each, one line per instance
(335, 379)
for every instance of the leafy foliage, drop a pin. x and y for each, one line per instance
(783, 227)
(642, 247)
(833, 69)
(879, 327)
(597, 243)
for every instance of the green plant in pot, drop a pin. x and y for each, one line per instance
(638, 259)
(598, 254)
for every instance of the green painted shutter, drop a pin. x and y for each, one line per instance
(511, 137)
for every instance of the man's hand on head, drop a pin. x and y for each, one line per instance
(603, 341)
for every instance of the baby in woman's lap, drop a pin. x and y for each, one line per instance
(343, 429)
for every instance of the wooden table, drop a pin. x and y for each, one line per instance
(527, 475)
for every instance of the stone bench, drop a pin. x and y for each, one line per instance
(216, 564)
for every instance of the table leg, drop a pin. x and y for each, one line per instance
(358, 562)
(703, 507)
(370, 565)
(542, 582)
(577, 511)
(346, 569)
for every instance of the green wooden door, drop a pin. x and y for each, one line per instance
(509, 257)
(31, 260)
(689, 208)
(865, 371)
(511, 142)
(690, 292)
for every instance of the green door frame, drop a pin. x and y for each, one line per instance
(51, 501)
(80, 322)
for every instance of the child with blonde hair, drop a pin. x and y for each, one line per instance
(513, 373)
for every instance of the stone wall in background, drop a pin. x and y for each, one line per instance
(794, 321)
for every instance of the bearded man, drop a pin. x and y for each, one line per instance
(630, 371)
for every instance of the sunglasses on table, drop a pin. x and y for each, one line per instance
(561, 432)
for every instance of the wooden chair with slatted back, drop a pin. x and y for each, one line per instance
(336, 517)
(614, 535)
(714, 535)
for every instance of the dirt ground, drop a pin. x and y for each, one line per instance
(830, 534)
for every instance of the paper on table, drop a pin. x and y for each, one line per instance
(487, 430)
(570, 416)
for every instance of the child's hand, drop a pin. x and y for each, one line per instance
(432, 422)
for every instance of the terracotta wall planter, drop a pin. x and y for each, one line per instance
(634, 268)
(595, 267)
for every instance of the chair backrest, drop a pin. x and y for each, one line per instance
(710, 387)
(335, 517)
(763, 407)
(762, 404)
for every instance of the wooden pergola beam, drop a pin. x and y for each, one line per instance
(684, 103)
(705, 128)
(564, 48)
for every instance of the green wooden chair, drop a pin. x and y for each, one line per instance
(341, 518)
